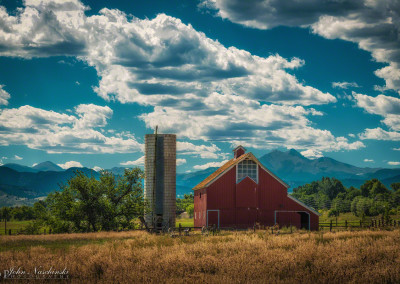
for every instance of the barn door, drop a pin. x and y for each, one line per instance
(213, 218)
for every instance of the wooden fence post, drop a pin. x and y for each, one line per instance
(180, 228)
(360, 224)
(330, 226)
(345, 222)
(9, 232)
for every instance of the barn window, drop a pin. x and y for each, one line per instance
(247, 168)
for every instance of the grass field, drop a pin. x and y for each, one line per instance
(13, 225)
(185, 222)
(231, 257)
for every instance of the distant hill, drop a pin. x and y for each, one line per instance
(186, 181)
(35, 184)
(291, 165)
(20, 168)
(21, 184)
(47, 167)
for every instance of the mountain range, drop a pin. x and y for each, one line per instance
(24, 185)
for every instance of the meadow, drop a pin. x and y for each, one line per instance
(229, 257)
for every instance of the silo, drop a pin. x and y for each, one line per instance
(160, 180)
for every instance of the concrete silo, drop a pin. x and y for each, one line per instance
(160, 180)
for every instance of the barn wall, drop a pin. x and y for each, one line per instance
(221, 196)
(200, 207)
(243, 204)
(314, 218)
(246, 193)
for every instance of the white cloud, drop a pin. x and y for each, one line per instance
(203, 151)
(97, 168)
(34, 164)
(70, 164)
(379, 134)
(209, 165)
(368, 160)
(138, 162)
(381, 104)
(345, 85)
(352, 135)
(150, 61)
(394, 163)
(312, 154)
(91, 115)
(386, 106)
(199, 88)
(396, 149)
(61, 133)
(4, 96)
(16, 157)
(232, 118)
(373, 25)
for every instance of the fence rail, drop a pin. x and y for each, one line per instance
(374, 223)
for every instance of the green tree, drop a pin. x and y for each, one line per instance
(87, 204)
(190, 209)
(395, 186)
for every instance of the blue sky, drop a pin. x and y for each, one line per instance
(82, 82)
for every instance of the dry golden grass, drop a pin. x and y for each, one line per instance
(243, 257)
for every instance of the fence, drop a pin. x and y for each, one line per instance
(373, 223)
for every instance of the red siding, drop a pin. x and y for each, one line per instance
(243, 204)
(200, 207)
(246, 193)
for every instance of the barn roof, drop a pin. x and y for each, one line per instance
(228, 165)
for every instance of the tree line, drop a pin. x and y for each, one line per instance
(371, 199)
(87, 204)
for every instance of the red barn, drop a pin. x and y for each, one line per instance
(243, 192)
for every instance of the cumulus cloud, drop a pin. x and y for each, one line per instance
(345, 85)
(16, 157)
(234, 119)
(380, 104)
(203, 151)
(379, 134)
(180, 162)
(149, 61)
(393, 163)
(373, 25)
(368, 160)
(312, 154)
(396, 149)
(199, 88)
(209, 165)
(4, 96)
(56, 132)
(70, 164)
(138, 162)
(385, 106)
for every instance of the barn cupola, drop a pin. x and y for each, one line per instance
(239, 151)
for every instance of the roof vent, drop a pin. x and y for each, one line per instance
(239, 151)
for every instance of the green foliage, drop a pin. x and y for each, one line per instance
(86, 204)
(5, 213)
(372, 199)
(395, 186)
(23, 213)
(185, 204)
